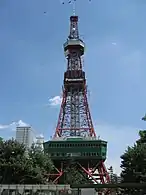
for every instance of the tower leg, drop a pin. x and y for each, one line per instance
(98, 174)
(57, 173)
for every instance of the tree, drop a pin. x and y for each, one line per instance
(42, 164)
(113, 176)
(74, 175)
(134, 161)
(1, 139)
(142, 139)
(16, 167)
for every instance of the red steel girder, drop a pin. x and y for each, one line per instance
(84, 112)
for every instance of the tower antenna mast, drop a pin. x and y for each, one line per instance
(74, 7)
(73, 3)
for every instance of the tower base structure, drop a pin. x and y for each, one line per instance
(85, 156)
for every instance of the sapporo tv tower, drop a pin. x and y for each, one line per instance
(75, 142)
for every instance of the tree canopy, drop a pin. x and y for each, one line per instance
(133, 162)
(74, 175)
(19, 167)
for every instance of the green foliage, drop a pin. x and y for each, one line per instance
(1, 139)
(142, 135)
(41, 163)
(133, 162)
(17, 166)
(144, 118)
(74, 175)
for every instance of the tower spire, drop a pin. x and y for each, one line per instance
(74, 7)
(74, 32)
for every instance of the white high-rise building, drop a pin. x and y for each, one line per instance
(24, 134)
(39, 142)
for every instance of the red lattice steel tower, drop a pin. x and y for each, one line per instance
(75, 137)
(74, 118)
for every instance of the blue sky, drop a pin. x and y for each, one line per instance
(32, 63)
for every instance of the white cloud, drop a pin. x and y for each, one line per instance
(40, 136)
(119, 138)
(4, 126)
(114, 43)
(55, 101)
(20, 123)
(9, 126)
(13, 125)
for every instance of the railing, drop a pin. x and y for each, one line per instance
(118, 185)
(37, 190)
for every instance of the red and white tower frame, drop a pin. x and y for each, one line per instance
(74, 117)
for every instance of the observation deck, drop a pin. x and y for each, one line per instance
(76, 44)
(77, 149)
